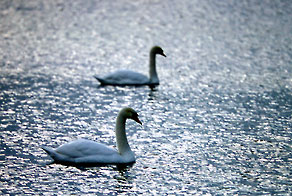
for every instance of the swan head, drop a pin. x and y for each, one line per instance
(157, 50)
(130, 113)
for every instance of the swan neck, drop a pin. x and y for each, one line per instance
(122, 142)
(152, 68)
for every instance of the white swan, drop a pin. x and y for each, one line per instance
(84, 152)
(128, 78)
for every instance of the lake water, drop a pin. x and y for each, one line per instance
(218, 124)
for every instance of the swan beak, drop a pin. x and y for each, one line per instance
(163, 54)
(137, 120)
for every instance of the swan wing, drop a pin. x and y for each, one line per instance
(124, 77)
(100, 159)
(83, 148)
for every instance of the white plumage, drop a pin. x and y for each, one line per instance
(86, 152)
(127, 77)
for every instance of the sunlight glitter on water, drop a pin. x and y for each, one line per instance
(219, 123)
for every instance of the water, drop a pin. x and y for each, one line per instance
(219, 123)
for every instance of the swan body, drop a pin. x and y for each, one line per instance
(124, 77)
(86, 152)
(131, 78)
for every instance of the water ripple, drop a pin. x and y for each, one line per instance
(219, 123)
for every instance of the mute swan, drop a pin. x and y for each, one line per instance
(84, 152)
(130, 78)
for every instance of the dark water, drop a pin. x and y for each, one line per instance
(219, 123)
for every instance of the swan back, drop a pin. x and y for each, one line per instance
(124, 77)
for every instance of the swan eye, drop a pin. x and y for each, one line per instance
(134, 114)
(161, 52)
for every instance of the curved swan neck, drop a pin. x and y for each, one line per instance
(152, 68)
(122, 142)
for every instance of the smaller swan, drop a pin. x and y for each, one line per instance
(130, 78)
(84, 152)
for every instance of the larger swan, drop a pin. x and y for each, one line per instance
(86, 152)
(128, 78)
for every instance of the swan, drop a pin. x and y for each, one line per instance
(131, 78)
(84, 152)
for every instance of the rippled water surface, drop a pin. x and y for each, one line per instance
(218, 124)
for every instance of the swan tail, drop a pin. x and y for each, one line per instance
(53, 154)
(57, 157)
(49, 151)
(102, 81)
